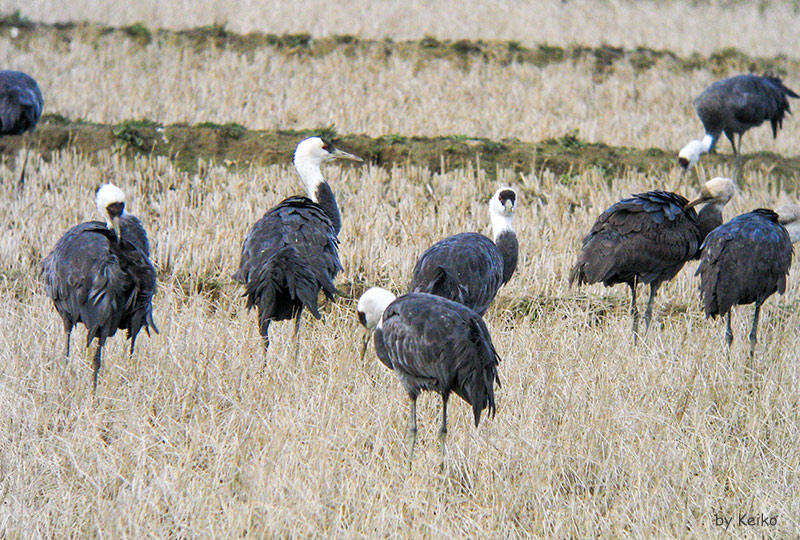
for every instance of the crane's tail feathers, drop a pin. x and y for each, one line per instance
(284, 274)
(480, 382)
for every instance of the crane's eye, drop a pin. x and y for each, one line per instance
(325, 146)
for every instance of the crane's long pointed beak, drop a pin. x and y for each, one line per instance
(699, 200)
(115, 226)
(341, 154)
(365, 345)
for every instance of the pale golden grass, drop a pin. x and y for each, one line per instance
(763, 28)
(116, 80)
(196, 437)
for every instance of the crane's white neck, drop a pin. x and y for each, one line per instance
(311, 175)
(500, 224)
(706, 144)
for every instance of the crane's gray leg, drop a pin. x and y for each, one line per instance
(754, 332)
(634, 311)
(296, 335)
(68, 334)
(365, 345)
(133, 346)
(96, 365)
(24, 160)
(729, 331)
(263, 328)
(411, 433)
(648, 312)
(443, 430)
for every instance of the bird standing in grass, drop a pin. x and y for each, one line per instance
(291, 253)
(100, 274)
(734, 105)
(745, 261)
(432, 343)
(647, 238)
(20, 107)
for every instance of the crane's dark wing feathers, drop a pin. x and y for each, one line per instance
(466, 268)
(20, 103)
(103, 283)
(745, 260)
(648, 236)
(288, 256)
(436, 344)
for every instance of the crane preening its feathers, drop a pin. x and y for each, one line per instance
(647, 238)
(745, 261)
(291, 254)
(99, 274)
(470, 268)
(734, 105)
(432, 343)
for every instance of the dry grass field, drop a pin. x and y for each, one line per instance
(198, 437)
(684, 26)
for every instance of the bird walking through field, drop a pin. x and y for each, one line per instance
(745, 261)
(734, 105)
(647, 238)
(433, 343)
(291, 253)
(20, 107)
(100, 274)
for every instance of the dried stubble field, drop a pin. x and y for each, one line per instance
(196, 437)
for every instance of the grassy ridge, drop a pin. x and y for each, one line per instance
(237, 147)
(461, 52)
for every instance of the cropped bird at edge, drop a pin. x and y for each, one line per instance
(745, 261)
(291, 254)
(100, 274)
(734, 105)
(20, 107)
(647, 238)
(432, 343)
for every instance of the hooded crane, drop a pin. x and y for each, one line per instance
(432, 343)
(469, 268)
(100, 274)
(20, 106)
(647, 238)
(747, 260)
(734, 105)
(291, 253)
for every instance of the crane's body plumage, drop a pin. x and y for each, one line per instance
(646, 238)
(291, 254)
(288, 256)
(20, 103)
(466, 268)
(102, 281)
(734, 105)
(744, 261)
(470, 268)
(433, 343)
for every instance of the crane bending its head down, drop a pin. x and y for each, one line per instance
(432, 343)
(110, 201)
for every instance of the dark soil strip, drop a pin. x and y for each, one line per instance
(461, 52)
(236, 147)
